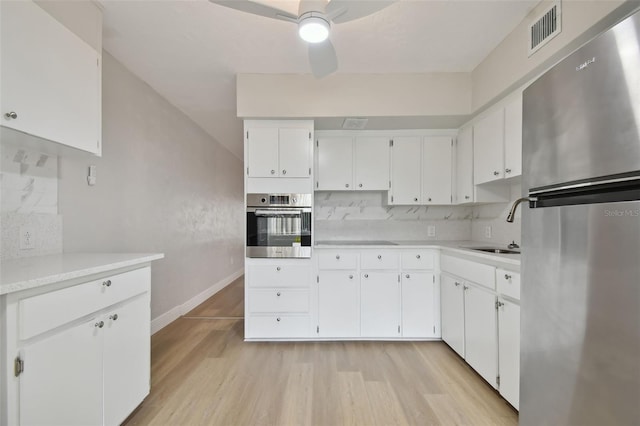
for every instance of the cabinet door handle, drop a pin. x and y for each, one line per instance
(360, 185)
(284, 172)
(466, 197)
(500, 304)
(496, 173)
(379, 257)
(350, 277)
(99, 324)
(507, 170)
(346, 185)
(507, 276)
(11, 115)
(417, 256)
(457, 284)
(466, 287)
(113, 317)
(407, 276)
(106, 283)
(366, 275)
(278, 319)
(337, 257)
(415, 199)
(278, 294)
(277, 268)
(273, 172)
(429, 199)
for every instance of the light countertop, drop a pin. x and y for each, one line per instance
(30, 272)
(458, 247)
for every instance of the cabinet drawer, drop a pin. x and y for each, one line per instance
(508, 283)
(279, 275)
(44, 312)
(472, 271)
(283, 326)
(337, 260)
(279, 300)
(379, 259)
(417, 259)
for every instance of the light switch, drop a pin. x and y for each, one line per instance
(431, 231)
(91, 176)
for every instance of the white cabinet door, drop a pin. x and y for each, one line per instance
(62, 380)
(509, 351)
(452, 312)
(488, 148)
(513, 138)
(372, 163)
(464, 166)
(335, 164)
(295, 153)
(437, 172)
(481, 344)
(338, 304)
(50, 78)
(406, 170)
(380, 304)
(126, 359)
(418, 305)
(262, 155)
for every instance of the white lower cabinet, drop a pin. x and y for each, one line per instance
(338, 304)
(418, 304)
(481, 344)
(452, 312)
(509, 350)
(380, 304)
(91, 367)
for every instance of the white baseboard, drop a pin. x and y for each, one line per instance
(172, 314)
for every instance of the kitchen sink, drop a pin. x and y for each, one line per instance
(495, 250)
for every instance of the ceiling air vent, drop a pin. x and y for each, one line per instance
(355, 123)
(546, 27)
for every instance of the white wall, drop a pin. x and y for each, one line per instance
(294, 96)
(163, 185)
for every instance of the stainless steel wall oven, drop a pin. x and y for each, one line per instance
(279, 225)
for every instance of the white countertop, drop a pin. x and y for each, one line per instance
(459, 247)
(29, 272)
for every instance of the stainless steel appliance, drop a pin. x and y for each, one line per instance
(279, 225)
(580, 305)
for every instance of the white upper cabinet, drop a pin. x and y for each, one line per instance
(488, 140)
(371, 163)
(406, 154)
(464, 166)
(335, 163)
(348, 163)
(513, 138)
(275, 149)
(437, 164)
(50, 84)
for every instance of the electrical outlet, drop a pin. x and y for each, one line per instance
(27, 238)
(431, 231)
(487, 231)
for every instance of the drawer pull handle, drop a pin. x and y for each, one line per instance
(407, 276)
(273, 172)
(277, 268)
(337, 257)
(99, 324)
(11, 115)
(417, 256)
(350, 277)
(106, 283)
(278, 294)
(284, 172)
(278, 319)
(366, 275)
(507, 276)
(379, 257)
(113, 317)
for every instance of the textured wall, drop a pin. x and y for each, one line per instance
(163, 185)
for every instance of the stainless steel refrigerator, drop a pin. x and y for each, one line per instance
(580, 342)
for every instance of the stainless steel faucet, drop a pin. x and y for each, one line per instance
(515, 205)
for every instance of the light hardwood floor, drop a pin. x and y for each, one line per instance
(203, 372)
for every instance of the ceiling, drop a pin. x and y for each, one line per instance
(190, 51)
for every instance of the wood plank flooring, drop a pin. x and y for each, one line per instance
(203, 373)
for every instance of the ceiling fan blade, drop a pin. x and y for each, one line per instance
(259, 9)
(322, 58)
(348, 10)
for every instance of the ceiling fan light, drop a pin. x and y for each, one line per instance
(313, 29)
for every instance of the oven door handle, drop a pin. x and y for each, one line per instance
(278, 212)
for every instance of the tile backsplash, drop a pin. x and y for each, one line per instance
(495, 216)
(28, 198)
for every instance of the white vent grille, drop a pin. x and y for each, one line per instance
(355, 123)
(545, 28)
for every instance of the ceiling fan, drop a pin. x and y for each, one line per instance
(314, 23)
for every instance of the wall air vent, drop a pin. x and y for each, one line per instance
(355, 123)
(546, 27)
